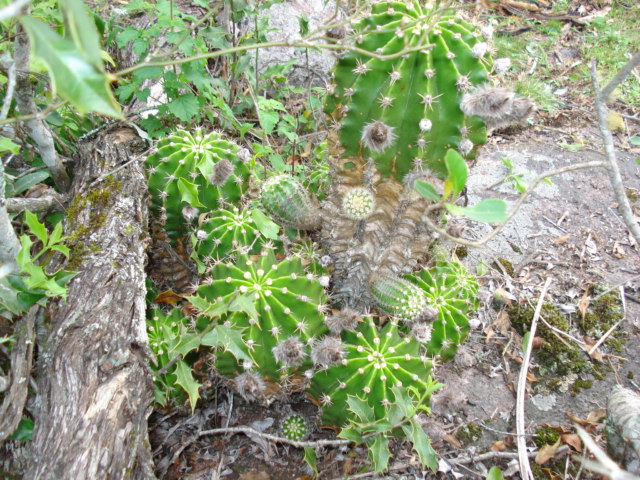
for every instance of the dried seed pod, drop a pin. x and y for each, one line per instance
(250, 386)
(328, 351)
(289, 352)
(346, 319)
(377, 136)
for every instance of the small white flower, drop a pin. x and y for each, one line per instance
(425, 125)
(479, 49)
(501, 65)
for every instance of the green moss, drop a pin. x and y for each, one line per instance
(554, 356)
(79, 232)
(632, 194)
(546, 436)
(579, 385)
(461, 252)
(469, 433)
(603, 314)
(630, 375)
(503, 264)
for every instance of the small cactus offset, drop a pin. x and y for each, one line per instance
(288, 203)
(370, 363)
(398, 297)
(191, 172)
(406, 111)
(227, 231)
(277, 306)
(294, 427)
(451, 291)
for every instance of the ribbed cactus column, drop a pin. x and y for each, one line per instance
(288, 203)
(405, 112)
(191, 173)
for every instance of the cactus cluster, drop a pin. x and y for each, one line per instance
(405, 112)
(288, 203)
(279, 310)
(375, 359)
(194, 172)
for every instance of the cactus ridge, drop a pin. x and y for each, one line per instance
(398, 297)
(225, 232)
(180, 175)
(289, 305)
(452, 291)
(376, 359)
(288, 203)
(417, 95)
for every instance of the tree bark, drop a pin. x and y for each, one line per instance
(94, 385)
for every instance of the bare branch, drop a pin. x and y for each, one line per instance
(602, 112)
(45, 203)
(9, 244)
(620, 76)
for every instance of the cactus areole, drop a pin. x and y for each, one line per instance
(405, 112)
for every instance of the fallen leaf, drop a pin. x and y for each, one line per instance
(501, 322)
(584, 303)
(562, 239)
(169, 297)
(498, 446)
(531, 377)
(573, 440)
(596, 415)
(451, 440)
(254, 476)
(547, 452)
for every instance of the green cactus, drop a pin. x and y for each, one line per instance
(374, 360)
(288, 203)
(405, 112)
(277, 306)
(398, 297)
(294, 427)
(227, 231)
(190, 172)
(452, 291)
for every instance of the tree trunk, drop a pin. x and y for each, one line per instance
(94, 385)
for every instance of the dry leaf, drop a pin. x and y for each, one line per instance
(169, 297)
(562, 239)
(498, 446)
(531, 377)
(451, 440)
(547, 452)
(596, 415)
(573, 440)
(584, 303)
(254, 476)
(502, 323)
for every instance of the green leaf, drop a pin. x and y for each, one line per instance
(521, 187)
(29, 180)
(37, 228)
(310, 458)
(427, 190)
(303, 23)
(81, 28)
(8, 297)
(56, 235)
(489, 210)
(147, 73)
(24, 430)
(525, 342)
(72, 76)
(229, 338)
(421, 444)
(267, 227)
(379, 452)
(507, 163)
(189, 193)
(207, 308)
(572, 147)
(186, 343)
(243, 303)
(268, 121)
(352, 434)
(457, 170)
(494, 474)
(635, 140)
(186, 381)
(361, 408)
(185, 107)
(7, 145)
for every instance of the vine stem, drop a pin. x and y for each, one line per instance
(481, 243)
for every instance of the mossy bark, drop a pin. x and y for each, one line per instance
(94, 385)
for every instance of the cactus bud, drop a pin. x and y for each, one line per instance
(328, 351)
(294, 428)
(250, 386)
(346, 319)
(189, 213)
(422, 332)
(290, 352)
(222, 170)
(377, 136)
(398, 296)
(358, 203)
(288, 203)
